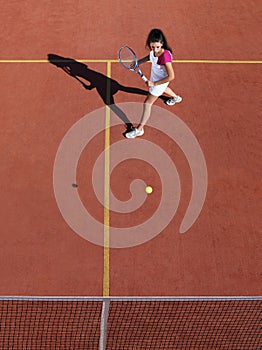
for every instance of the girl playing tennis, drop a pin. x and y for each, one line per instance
(161, 74)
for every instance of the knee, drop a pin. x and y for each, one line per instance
(149, 100)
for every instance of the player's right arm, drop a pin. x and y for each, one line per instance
(144, 59)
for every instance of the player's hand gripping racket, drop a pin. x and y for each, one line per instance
(129, 61)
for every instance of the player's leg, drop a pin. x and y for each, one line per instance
(174, 98)
(139, 131)
(170, 92)
(149, 101)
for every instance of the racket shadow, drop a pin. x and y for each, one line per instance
(105, 86)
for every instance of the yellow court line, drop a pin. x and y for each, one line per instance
(115, 61)
(218, 61)
(106, 276)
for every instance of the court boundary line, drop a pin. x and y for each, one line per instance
(116, 61)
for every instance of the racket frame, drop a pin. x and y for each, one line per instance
(136, 68)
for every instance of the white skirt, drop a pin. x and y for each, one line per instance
(158, 90)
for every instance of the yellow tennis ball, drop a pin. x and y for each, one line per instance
(149, 189)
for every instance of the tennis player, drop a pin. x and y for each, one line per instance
(161, 74)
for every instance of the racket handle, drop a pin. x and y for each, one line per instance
(144, 78)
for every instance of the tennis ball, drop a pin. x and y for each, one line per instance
(149, 189)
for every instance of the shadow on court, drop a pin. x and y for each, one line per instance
(105, 86)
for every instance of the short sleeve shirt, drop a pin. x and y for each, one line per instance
(158, 70)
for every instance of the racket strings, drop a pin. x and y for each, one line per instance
(127, 58)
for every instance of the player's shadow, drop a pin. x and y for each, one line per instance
(105, 86)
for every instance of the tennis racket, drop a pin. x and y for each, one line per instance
(128, 60)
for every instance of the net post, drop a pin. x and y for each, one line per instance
(103, 324)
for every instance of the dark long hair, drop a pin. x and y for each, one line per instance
(156, 35)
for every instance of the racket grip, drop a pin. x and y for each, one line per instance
(144, 78)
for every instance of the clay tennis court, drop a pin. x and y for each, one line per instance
(217, 63)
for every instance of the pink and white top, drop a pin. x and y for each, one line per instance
(158, 70)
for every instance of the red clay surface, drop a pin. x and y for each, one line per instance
(220, 254)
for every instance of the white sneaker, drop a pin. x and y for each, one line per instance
(134, 133)
(173, 101)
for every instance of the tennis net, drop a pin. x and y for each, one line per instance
(114, 323)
